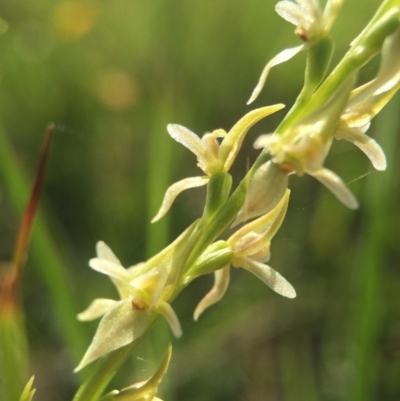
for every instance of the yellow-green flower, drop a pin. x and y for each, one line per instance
(312, 26)
(302, 148)
(251, 250)
(123, 321)
(212, 157)
(368, 100)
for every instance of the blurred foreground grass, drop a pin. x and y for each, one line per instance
(112, 75)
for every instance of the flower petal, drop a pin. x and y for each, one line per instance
(119, 327)
(368, 100)
(366, 144)
(331, 12)
(96, 309)
(110, 269)
(231, 144)
(254, 236)
(104, 252)
(335, 184)
(221, 283)
(191, 141)
(265, 141)
(174, 190)
(289, 11)
(269, 276)
(281, 57)
(166, 310)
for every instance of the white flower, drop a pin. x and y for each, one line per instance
(212, 157)
(368, 100)
(251, 250)
(312, 25)
(123, 321)
(302, 148)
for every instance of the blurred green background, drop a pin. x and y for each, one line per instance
(112, 75)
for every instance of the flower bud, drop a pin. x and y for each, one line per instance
(266, 189)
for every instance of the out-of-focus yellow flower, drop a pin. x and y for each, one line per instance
(73, 19)
(251, 250)
(212, 157)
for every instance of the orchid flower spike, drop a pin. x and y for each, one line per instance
(312, 25)
(251, 250)
(146, 390)
(212, 157)
(141, 292)
(368, 100)
(302, 149)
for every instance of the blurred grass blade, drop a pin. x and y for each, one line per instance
(43, 252)
(21, 246)
(13, 353)
(13, 343)
(371, 261)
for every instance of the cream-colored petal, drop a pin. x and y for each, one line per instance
(335, 184)
(221, 283)
(268, 276)
(331, 12)
(367, 145)
(96, 309)
(231, 144)
(174, 190)
(119, 327)
(191, 141)
(289, 11)
(254, 236)
(165, 309)
(311, 7)
(281, 57)
(368, 100)
(265, 141)
(110, 269)
(104, 252)
(135, 268)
